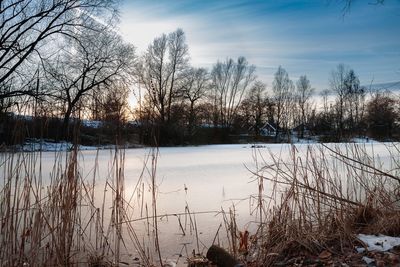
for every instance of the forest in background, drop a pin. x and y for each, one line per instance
(64, 69)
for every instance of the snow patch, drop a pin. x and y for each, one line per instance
(378, 243)
(37, 145)
(304, 141)
(92, 124)
(363, 140)
(367, 260)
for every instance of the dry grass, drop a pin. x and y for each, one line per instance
(322, 197)
(68, 219)
(57, 220)
(315, 200)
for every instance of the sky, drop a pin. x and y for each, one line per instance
(304, 37)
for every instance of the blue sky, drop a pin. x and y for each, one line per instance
(305, 37)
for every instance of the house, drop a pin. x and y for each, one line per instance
(268, 129)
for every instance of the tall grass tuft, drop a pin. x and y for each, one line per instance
(322, 196)
(59, 219)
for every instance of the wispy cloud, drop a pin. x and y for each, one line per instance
(305, 37)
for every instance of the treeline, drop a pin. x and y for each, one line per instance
(62, 62)
(229, 104)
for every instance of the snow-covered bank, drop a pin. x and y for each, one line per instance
(363, 140)
(51, 145)
(37, 145)
(34, 145)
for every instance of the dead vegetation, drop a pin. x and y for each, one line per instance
(73, 217)
(310, 207)
(320, 198)
(59, 220)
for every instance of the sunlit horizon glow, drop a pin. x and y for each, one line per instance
(304, 37)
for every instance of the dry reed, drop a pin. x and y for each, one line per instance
(321, 197)
(316, 199)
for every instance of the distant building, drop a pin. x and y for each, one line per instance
(268, 129)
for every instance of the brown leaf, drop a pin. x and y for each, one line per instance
(324, 255)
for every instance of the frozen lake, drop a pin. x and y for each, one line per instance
(199, 180)
(204, 179)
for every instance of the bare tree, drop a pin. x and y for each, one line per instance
(283, 89)
(350, 99)
(152, 73)
(230, 81)
(303, 95)
(96, 61)
(325, 94)
(382, 114)
(347, 4)
(337, 82)
(27, 27)
(355, 99)
(178, 56)
(255, 106)
(159, 69)
(95, 99)
(195, 85)
(114, 108)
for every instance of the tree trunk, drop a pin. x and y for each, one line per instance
(170, 96)
(65, 126)
(191, 118)
(303, 121)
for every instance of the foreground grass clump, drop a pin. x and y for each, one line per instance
(320, 199)
(57, 220)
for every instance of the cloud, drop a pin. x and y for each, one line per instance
(305, 37)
